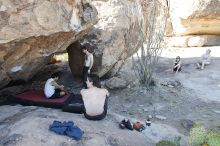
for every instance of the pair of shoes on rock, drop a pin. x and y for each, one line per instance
(138, 126)
(126, 124)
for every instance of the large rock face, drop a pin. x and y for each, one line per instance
(32, 30)
(193, 40)
(117, 35)
(194, 17)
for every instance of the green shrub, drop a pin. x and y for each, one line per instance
(197, 136)
(177, 140)
(165, 143)
(213, 139)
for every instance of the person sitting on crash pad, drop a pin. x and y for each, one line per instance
(95, 101)
(52, 89)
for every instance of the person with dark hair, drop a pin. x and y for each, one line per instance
(88, 63)
(177, 65)
(95, 101)
(92, 102)
(52, 89)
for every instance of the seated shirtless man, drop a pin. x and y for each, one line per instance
(95, 101)
(52, 89)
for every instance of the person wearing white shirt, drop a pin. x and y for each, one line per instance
(52, 89)
(205, 60)
(88, 63)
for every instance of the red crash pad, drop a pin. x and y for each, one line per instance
(37, 97)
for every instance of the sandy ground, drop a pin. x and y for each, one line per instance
(195, 96)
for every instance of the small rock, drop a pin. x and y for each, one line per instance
(216, 111)
(43, 141)
(176, 83)
(170, 86)
(127, 106)
(160, 117)
(64, 144)
(150, 116)
(116, 83)
(205, 116)
(141, 105)
(164, 83)
(145, 110)
(187, 124)
(113, 141)
(123, 110)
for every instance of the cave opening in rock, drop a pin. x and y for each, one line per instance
(76, 61)
(69, 65)
(75, 58)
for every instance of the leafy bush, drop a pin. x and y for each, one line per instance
(177, 140)
(213, 139)
(197, 136)
(165, 143)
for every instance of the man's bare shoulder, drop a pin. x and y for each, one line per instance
(82, 91)
(105, 91)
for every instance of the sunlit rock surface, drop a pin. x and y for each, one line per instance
(194, 17)
(116, 37)
(32, 30)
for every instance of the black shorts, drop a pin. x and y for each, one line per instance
(101, 116)
(56, 94)
(175, 69)
(76, 105)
